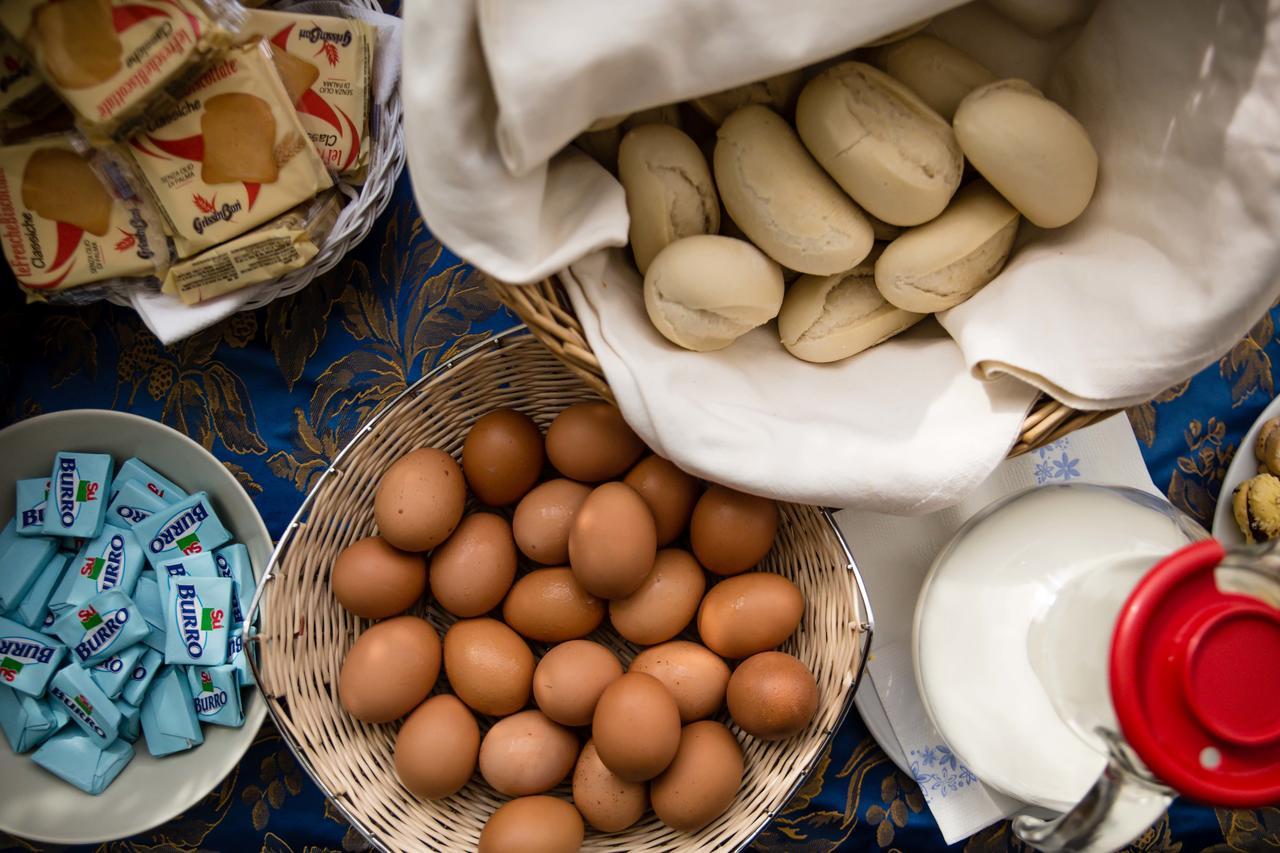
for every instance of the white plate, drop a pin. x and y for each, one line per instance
(1242, 467)
(871, 709)
(33, 803)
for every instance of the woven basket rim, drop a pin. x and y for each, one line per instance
(862, 602)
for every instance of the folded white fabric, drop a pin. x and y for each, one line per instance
(894, 555)
(1172, 263)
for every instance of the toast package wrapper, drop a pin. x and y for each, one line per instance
(326, 65)
(62, 226)
(231, 155)
(24, 98)
(115, 61)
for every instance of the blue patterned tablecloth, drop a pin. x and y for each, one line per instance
(276, 392)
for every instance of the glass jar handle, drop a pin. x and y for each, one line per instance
(1116, 810)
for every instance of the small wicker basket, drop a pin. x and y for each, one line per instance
(304, 634)
(355, 220)
(545, 308)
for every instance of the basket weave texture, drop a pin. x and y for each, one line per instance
(305, 634)
(355, 220)
(545, 308)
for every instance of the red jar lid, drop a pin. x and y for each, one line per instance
(1195, 680)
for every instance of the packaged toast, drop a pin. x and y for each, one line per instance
(231, 155)
(23, 96)
(64, 226)
(284, 244)
(112, 61)
(326, 64)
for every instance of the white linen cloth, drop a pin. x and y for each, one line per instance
(894, 554)
(167, 316)
(1174, 260)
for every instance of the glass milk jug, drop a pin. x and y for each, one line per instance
(1089, 651)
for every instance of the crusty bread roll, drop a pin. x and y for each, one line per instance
(775, 92)
(827, 318)
(782, 200)
(940, 74)
(894, 155)
(669, 189)
(1030, 149)
(705, 292)
(940, 264)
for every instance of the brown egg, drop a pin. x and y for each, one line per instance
(665, 602)
(570, 678)
(590, 442)
(749, 613)
(772, 696)
(695, 676)
(732, 531)
(636, 727)
(550, 606)
(390, 669)
(702, 780)
(502, 456)
(533, 825)
(543, 518)
(420, 499)
(608, 803)
(669, 492)
(488, 666)
(436, 748)
(374, 580)
(474, 568)
(527, 753)
(612, 543)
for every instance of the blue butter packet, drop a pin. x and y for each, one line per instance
(112, 560)
(196, 566)
(90, 708)
(78, 494)
(113, 673)
(144, 672)
(233, 562)
(169, 720)
(28, 659)
(134, 470)
(151, 605)
(74, 757)
(27, 721)
(131, 504)
(188, 527)
(103, 626)
(238, 657)
(22, 559)
(215, 694)
(34, 606)
(29, 510)
(199, 614)
(130, 721)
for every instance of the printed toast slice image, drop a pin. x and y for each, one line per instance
(77, 42)
(239, 140)
(58, 184)
(297, 74)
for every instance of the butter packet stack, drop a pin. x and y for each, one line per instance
(28, 722)
(188, 527)
(284, 244)
(106, 624)
(200, 565)
(232, 155)
(326, 64)
(134, 470)
(88, 705)
(169, 720)
(115, 61)
(215, 692)
(63, 226)
(76, 758)
(78, 494)
(28, 659)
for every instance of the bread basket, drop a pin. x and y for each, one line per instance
(545, 308)
(365, 202)
(304, 634)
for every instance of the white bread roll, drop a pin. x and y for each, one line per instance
(940, 264)
(940, 74)
(827, 318)
(774, 92)
(668, 187)
(705, 292)
(782, 200)
(1030, 149)
(894, 155)
(1042, 17)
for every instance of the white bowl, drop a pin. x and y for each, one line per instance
(37, 805)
